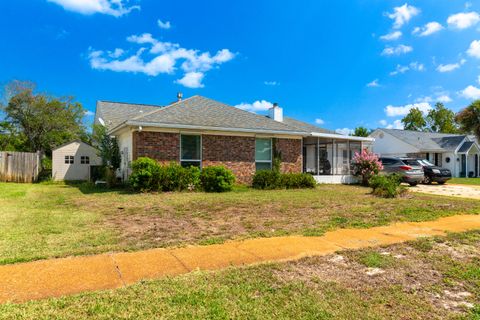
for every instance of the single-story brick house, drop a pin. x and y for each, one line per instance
(203, 132)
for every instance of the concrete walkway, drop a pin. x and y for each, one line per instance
(451, 190)
(58, 277)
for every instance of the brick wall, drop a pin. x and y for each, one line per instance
(292, 158)
(161, 146)
(235, 153)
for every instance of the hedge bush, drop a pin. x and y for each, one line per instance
(271, 179)
(217, 179)
(297, 181)
(148, 175)
(145, 175)
(387, 186)
(266, 180)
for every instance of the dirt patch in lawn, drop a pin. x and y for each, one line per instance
(441, 274)
(160, 220)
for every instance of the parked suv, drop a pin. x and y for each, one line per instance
(411, 173)
(434, 173)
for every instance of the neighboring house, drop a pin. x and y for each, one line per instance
(72, 161)
(459, 153)
(202, 132)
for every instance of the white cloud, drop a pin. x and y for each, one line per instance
(116, 53)
(116, 8)
(164, 25)
(428, 29)
(471, 93)
(414, 66)
(271, 83)
(162, 58)
(402, 15)
(395, 35)
(392, 111)
(345, 131)
(463, 20)
(450, 67)
(444, 98)
(373, 84)
(192, 80)
(319, 121)
(89, 113)
(383, 122)
(474, 49)
(478, 79)
(398, 50)
(257, 106)
(397, 124)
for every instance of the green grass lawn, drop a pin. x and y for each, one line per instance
(469, 181)
(39, 221)
(435, 278)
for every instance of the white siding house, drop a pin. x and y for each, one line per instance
(72, 161)
(459, 153)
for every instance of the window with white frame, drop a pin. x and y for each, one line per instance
(69, 159)
(190, 150)
(85, 160)
(263, 154)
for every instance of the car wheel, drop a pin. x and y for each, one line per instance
(427, 180)
(413, 184)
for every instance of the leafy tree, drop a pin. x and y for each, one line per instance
(414, 120)
(442, 119)
(107, 146)
(10, 138)
(45, 121)
(361, 132)
(469, 119)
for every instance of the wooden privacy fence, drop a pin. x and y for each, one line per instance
(19, 166)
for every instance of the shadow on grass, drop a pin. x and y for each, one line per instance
(91, 188)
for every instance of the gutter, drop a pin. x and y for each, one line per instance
(341, 137)
(194, 127)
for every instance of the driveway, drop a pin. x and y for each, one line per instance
(452, 190)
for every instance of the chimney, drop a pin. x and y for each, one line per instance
(179, 96)
(276, 113)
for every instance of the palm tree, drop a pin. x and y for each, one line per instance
(469, 119)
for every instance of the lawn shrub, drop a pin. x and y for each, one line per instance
(271, 179)
(297, 181)
(217, 179)
(174, 177)
(145, 175)
(266, 179)
(387, 186)
(366, 165)
(148, 175)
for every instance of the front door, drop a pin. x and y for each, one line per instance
(463, 164)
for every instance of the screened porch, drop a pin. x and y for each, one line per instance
(329, 159)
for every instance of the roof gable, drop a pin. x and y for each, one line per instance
(203, 112)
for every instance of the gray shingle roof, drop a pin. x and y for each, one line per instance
(303, 126)
(203, 112)
(200, 112)
(115, 113)
(428, 141)
(465, 147)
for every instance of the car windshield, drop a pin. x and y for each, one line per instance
(412, 162)
(427, 163)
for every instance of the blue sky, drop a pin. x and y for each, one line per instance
(341, 64)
